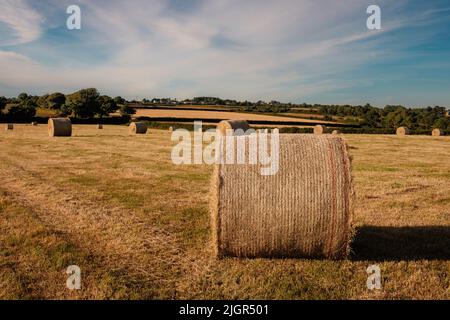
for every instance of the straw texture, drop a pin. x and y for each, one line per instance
(225, 125)
(402, 131)
(138, 128)
(59, 127)
(320, 129)
(304, 210)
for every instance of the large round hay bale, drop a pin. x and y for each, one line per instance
(320, 129)
(9, 126)
(402, 131)
(100, 126)
(59, 127)
(138, 128)
(304, 210)
(437, 132)
(225, 126)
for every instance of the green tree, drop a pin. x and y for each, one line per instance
(442, 123)
(56, 100)
(126, 110)
(42, 101)
(119, 100)
(107, 105)
(25, 110)
(372, 118)
(22, 97)
(83, 103)
(3, 102)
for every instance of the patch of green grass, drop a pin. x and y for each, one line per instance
(396, 185)
(33, 260)
(281, 279)
(375, 168)
(198, 221)
(85, 180)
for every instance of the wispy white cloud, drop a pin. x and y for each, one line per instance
(285, 49)
(23, 21)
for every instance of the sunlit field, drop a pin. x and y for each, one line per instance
(138, 225)
(219, 115)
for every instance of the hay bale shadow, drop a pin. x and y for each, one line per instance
(401, 243)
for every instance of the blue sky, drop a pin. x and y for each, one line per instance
(315, 51)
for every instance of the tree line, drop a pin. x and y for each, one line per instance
(85, 103)
(394, 116)
(88, 103)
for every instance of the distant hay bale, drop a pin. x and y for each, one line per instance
(59, 127)
(437, 132)
(335, 132)
(34, 123)
(100, 126)
(225, 125)
(320, 129)
(138, 128)
(402, 131)
(304, 210)
(9, 126)
(170, 129)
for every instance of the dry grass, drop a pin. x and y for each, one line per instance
(138, 226)
(201, 114)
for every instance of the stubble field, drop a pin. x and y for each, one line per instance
(138, 225)
(220, 115)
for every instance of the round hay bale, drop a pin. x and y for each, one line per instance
(100, 126)
(138, 128)
(34, 123)
(320, 129)
(437, 132)
(59, 127)
(9, 126)
(170, 129)
(335, 132)
(225, 125)
(402, 131)
(304, 210)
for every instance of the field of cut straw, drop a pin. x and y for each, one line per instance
(202, 114)
(138, 226)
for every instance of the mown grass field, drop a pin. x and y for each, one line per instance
(138, 226)
(202, 114)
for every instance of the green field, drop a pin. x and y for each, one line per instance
(138, 226)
